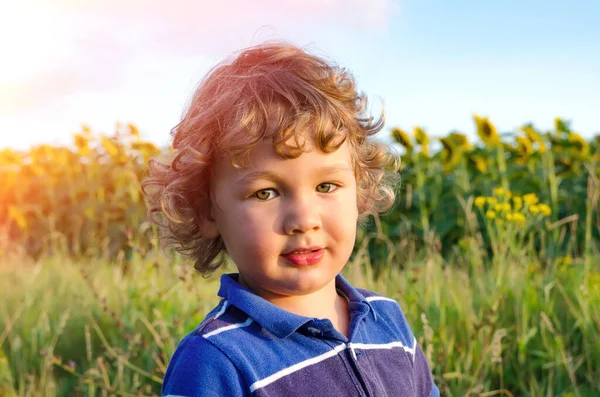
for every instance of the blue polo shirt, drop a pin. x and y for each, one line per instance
(246, 346)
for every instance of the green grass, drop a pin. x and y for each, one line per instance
(514, 327)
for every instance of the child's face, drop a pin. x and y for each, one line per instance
(276, 207)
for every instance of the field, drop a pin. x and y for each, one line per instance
(492, 251)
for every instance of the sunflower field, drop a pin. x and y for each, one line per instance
(80, 201)
(492, 249)
(542, 185)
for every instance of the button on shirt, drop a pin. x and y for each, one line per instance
(246, 346)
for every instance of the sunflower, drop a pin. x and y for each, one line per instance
(518, 217)
(531, 199)
(480, 201)
(133, 130)
(460, 140)
(545, 209)
(420, 136)
(524, 147)
(402, 138)
(82, 143)
(517, 202)
(450, 155)
(146, 149)
(581, 148)
(8, 157)
(110, 147)
(422, 139)
(561, 125)
(534, 137)
(486, 131)
(480, 162)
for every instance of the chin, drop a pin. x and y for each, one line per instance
(306, 285)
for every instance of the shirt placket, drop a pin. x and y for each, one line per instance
(324, 329)
(358, 311)
(353, 358)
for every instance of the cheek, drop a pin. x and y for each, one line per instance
(250, 228)
(343, 214)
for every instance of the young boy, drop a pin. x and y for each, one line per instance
(274, 166)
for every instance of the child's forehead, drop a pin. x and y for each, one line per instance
(270, 150)
(282, 140)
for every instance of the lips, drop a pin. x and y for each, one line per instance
(305, 256)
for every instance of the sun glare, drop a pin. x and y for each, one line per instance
(31, 37)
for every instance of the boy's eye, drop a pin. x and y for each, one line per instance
(265, 194)
(326, 187)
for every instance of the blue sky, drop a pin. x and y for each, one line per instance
(432, 63)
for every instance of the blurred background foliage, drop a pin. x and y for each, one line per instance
(85, 200)
(82, 201)
(439, 188)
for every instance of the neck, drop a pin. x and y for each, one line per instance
(319, 304)
(324, 303)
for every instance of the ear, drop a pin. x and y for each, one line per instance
(208, 228)
(208, 225)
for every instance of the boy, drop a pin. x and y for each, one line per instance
(274, 166)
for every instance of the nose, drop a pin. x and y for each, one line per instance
(301, 216)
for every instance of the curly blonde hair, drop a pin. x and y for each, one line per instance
(270, 91)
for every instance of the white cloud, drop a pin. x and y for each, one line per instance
(55, 48)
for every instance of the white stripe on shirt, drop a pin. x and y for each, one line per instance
(222, 309)
(379, 298)
(296, 367)
(228, 328)
(370, 346)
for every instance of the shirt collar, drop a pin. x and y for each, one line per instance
(274, 319)
(352, 293)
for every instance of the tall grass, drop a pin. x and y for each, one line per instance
(515, 328)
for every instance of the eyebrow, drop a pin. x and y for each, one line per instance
(273, 176)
